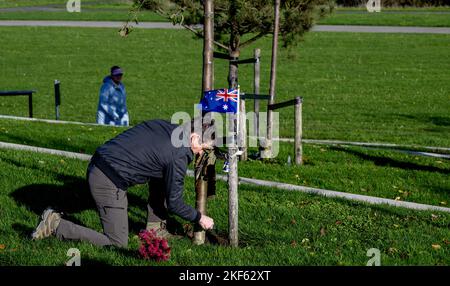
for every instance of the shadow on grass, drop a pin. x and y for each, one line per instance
(440, 120)
(55, 143)
(71, 197)
(22, 229)
(435, 120)
(389, 162)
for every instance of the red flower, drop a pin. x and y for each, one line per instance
(153, 247)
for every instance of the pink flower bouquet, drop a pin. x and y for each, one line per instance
(153, 247)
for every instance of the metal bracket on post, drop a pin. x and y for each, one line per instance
(238, 153)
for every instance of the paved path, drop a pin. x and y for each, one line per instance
(165, 25)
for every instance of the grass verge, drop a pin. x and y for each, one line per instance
(277, 227)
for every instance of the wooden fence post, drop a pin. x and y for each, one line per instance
(242, 130)
(233, 206)
(201, 186)
(298, 131)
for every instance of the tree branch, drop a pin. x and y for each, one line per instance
(200, 35)
(251, 40)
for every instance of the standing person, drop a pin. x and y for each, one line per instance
(144, 153)
(112, 105)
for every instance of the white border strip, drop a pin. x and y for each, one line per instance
(409, 152)
(87, 24)
(269, 184)
(67, 154)
(363, 144)
(342, 195)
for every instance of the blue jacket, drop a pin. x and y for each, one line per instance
(112, 105)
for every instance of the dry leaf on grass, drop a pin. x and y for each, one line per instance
(436, 246)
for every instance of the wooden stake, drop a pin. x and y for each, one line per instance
(273, 70)
(201, 186)
(242, 129)
(232, 148)
(298, 131)
(233, 206)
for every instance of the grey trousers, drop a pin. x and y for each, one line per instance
(112, 205)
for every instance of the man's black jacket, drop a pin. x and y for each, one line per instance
(143, 152)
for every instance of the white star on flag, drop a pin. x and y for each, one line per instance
(225, 107)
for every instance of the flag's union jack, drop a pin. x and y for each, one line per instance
(225, 94)
(220, 100)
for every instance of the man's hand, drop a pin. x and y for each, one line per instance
(206, 222)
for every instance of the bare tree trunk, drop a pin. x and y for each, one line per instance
(233, 70)
(256, 82)
(273, 71)
(201, 185)
(208, 46)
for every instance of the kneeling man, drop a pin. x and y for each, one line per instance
(144, 153)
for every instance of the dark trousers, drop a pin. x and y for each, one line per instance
(112, 206)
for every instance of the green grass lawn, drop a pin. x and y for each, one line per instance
(90, 11)
(276, 227)
(118, 10)
(91, 3)
(355, 170)
(366, 87)
(91, 15)
(20, 3)
(390, 18)
(429, 19)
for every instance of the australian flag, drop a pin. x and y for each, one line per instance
(220, 100)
